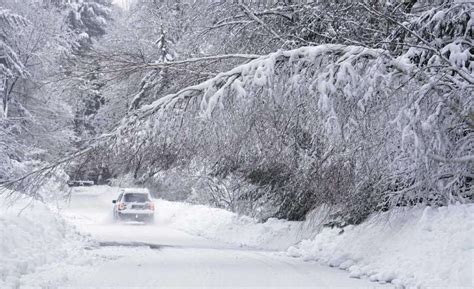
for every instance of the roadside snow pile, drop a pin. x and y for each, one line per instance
(32, 236)
(415, 248)
(225, 226)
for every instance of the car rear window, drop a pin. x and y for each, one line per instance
(136, 197)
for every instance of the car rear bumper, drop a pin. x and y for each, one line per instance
(137, 215)
(135, 212)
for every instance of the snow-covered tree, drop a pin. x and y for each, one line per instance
(11, 66)
(37, 120)
(436, 123)
(88, 19)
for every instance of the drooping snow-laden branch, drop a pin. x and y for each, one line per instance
(336, 74)
(336, 65)
(260, 71)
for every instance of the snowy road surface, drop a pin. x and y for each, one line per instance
(155, 256)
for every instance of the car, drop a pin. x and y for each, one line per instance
(134, 205)
(79, 183)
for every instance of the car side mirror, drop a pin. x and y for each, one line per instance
(114, 201)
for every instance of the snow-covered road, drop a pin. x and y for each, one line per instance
(156, 256)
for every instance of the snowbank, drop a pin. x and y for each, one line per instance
(32, 238)
(225, 226)
(415, 248)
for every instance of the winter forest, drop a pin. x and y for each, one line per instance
(266, 108)
(261, 114)
(260, 108)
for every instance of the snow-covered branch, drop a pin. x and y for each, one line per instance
(259, 72)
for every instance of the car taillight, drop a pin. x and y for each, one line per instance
(122, 206)
(151, 206)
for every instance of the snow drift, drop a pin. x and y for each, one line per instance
(415, 248)
(32, 240)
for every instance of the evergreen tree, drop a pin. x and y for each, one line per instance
(88, 19)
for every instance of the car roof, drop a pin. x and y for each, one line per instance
(135, 190)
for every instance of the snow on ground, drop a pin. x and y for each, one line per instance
(199, 247)
(33, 239)
(188, 267)
(416, 248)
(163, 256)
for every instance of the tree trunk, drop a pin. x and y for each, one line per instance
(4, 110)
